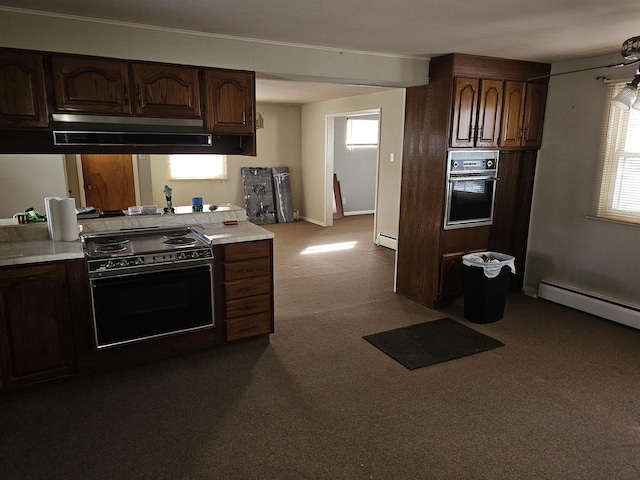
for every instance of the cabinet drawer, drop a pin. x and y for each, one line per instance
(249, 326)
(247, 287)
(248, 306)
(246, 250)
(247, 268)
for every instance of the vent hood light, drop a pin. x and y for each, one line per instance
(88, 130)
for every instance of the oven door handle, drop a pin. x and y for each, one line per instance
(472, 178)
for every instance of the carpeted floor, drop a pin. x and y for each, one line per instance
(558, 401)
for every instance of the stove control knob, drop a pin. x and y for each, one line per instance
(182, 256)
(489, 163)
(110, 264)
(194, 254)
(124, 262)
(139, 261)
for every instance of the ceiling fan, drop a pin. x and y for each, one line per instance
(630, 51)
(628, 97)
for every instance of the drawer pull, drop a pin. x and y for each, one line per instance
(247, 289)
(248, 270)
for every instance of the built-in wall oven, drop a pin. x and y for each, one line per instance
(470, 188)
(148, 283)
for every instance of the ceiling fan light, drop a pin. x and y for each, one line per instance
(636, 104)
(625, 98)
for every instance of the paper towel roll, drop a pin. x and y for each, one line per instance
(52, 211)
(68, 219)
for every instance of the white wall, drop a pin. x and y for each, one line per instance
(314, 171)
(26, 179)
(564, 245)
(19, 29)
(278, 146)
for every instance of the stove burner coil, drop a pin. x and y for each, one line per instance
(180, 241)
(110, 248)
(177, 234)
(111, 240)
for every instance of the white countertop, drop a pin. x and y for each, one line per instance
(17, 251)
(243, 232)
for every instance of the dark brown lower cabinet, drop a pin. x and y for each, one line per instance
(244, 276)
(450, 275)
(36, 340)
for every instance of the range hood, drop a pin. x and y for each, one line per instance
(94, 130)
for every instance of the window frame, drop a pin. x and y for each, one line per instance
(616, 131)
(221, 159)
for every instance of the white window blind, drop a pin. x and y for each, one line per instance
(362, 132)
(198, 167)
(619, 196)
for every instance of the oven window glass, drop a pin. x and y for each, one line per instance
(145, 305)
(471, 200)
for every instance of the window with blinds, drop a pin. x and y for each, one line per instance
(619, 196)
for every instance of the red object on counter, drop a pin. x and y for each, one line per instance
(230, 223)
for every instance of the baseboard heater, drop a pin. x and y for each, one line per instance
(586, 302)
(386, 240)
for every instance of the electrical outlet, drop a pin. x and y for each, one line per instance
(391, 157)
(344, 200)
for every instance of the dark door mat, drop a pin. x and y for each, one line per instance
(431, 342)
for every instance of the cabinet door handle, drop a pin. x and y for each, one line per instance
(139, 95)
(126, 93)
(526, 133)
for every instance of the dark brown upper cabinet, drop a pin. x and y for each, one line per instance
(230, 101)
(477, 112)
(104, 86)
(166, 91)
(523, 114)
(22, 101)
(90, 85)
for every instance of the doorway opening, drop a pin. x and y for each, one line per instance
(355, 164)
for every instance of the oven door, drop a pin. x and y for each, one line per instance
(469, 201)
(139, 305)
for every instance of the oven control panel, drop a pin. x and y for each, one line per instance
(132, 261)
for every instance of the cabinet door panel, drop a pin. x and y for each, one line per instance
(450, 275)
(34, 312)
(513, 114)
(536, 100)
(88, 85)
(489, 113)
(22, 101)
(230, 101)
(168, 91)
(464, 112)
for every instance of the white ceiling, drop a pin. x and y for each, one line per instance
(535, 30)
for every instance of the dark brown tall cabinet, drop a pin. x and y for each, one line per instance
(468, 104)
(22, 78)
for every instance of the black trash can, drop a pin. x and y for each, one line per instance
(485, 285)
